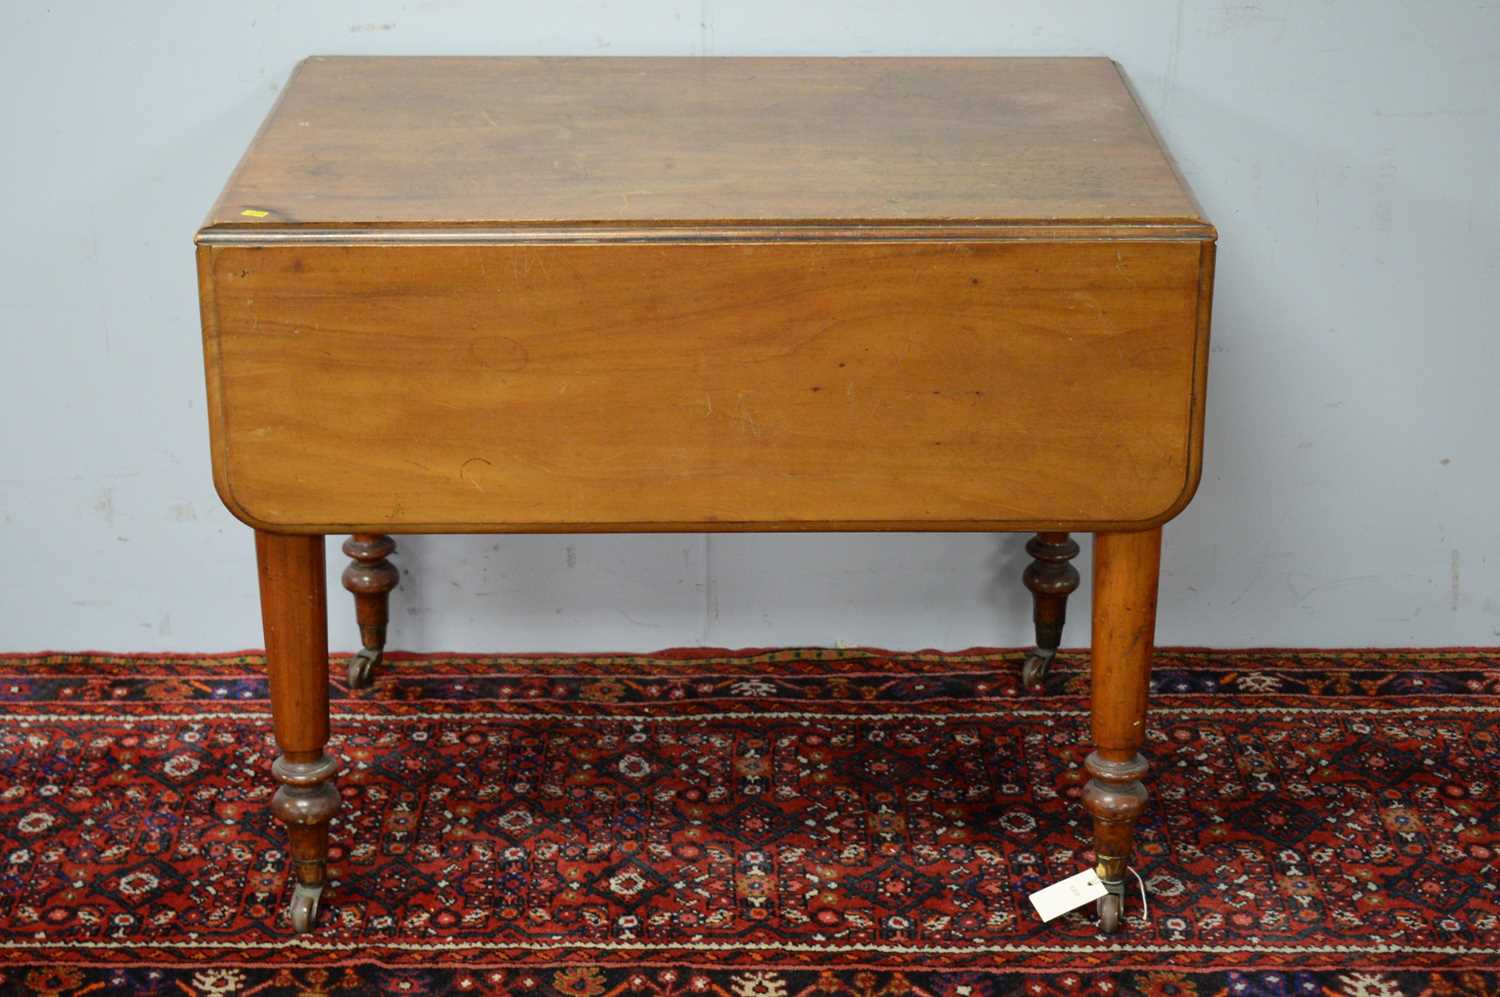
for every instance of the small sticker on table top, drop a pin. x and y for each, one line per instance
(254, 213)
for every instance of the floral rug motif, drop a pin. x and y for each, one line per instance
(755, 824)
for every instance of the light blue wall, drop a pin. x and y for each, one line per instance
(1347, 149)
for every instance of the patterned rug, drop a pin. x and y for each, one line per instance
(754, 824)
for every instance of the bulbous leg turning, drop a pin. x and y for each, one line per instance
(1051, 578)
(306, 801)
(370, 577)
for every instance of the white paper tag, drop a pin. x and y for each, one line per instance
(1075, 891)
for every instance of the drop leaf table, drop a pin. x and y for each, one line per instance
(510, 295)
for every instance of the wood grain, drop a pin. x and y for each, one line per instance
(381, 389)
(509, 294)
(359, 141)
(1126, 568)
(293, 599)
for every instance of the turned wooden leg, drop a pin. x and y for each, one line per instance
(293, 612)
(1051, 579)
(370, 577)
(1125, 581)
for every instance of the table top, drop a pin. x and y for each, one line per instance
(502, 142)
(523, 295)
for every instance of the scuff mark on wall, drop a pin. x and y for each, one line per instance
(632, 620)
(1169, 80)
(105, 506)
(1453, 580)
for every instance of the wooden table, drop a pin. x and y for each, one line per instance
(507, 295)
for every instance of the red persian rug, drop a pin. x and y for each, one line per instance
(754, 824)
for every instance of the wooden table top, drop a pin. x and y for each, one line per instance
(518, 295)
(501, 142)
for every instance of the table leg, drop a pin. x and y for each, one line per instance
(1125, 582)
(1051, 580)
(294, 612)
(370, 577)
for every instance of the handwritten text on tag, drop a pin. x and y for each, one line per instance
(1061, 897)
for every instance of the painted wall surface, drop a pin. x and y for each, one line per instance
(1347, 150)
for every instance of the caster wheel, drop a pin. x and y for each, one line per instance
(304, 908)
(1034, 671)
(1110, 913)
(362, 668)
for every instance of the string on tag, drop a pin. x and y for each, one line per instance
(1145, 908)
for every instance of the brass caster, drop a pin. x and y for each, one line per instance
(362, 668)
(1110, 907)
(304, 907)
(1034, 671)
